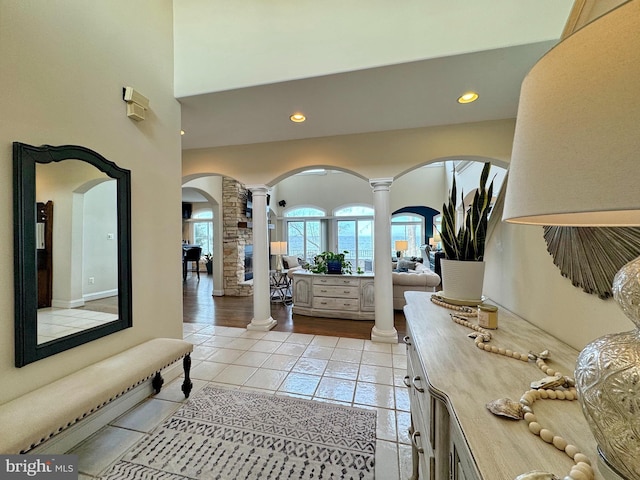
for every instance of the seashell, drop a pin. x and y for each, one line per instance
(548, 382)
(483, 336)
(506, 407)
(542, 355)
(537, 475)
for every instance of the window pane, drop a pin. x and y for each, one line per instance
(347, 237)
(409, 228)
(203, 236)
(365, 245)
(295, 238)
(353, 211)
(313, 240)
(305, 212)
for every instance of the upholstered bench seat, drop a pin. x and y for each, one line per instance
(38, 415)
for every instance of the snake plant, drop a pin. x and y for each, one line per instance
(466, 242)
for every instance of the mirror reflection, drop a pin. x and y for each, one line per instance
(76, 248)
(72, 249)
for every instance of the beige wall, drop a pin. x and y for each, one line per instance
(63, 69)
(369, 155)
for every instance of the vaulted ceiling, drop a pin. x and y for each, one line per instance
(242, 68)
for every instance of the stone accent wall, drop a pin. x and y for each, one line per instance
(234, 238)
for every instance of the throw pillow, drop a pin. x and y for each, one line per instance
(289, 261)
(404, 265)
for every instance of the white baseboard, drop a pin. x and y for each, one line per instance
(75, 434)
(218, 293)
(99, 295)
(67, 303)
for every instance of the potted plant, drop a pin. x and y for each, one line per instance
(331, 262)
(208, 262)
(463, 245)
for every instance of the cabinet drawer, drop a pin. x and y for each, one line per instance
(336, 281)
(327, 303)
(333, 291)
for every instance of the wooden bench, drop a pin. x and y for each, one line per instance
(29, 420)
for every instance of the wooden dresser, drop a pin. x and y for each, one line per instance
(334, 296)
(454, 436)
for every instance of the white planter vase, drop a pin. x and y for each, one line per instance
(462, 281)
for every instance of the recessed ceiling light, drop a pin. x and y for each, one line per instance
(297, 118)
(468, 97)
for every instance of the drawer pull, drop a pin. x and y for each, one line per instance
(346, 291)
(323, 290)
(415, 380)
(323, 303)
(414, 441)
(406, 339)
(407, 381)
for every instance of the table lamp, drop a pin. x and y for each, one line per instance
(436, 239)
(401, 246)
(278, 249)
(575, 160)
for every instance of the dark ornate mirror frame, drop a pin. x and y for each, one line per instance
(25, 157)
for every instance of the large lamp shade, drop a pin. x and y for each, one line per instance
(576, 148)
(575, 162)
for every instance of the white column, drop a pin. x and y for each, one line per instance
(383, 330)
(261, 300)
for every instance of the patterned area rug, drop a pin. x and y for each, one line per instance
(222, 434)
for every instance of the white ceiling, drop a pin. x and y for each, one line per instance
(246, 104)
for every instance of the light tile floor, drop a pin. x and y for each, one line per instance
(59, 322)
(352, 372)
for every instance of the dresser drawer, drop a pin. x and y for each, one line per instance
(337, 280)
(331, 291)
(328, 303)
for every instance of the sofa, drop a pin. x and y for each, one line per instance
(411, 276)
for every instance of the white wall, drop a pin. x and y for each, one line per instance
(64, 67)
(521, 276)
(100, 241)
(222, 45)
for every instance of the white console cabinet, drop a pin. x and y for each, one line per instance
(454, 436)
(333, 296)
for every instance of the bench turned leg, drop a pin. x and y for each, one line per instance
(157, 382)
(187, 385)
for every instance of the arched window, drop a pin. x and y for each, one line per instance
(305, 232)
(410, 228)
(304, 212)
(354, 227)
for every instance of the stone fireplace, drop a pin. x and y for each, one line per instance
(237, 236)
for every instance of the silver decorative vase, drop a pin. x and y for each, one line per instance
(608, 382)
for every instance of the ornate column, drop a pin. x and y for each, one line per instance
(383, 330)
(261, 300)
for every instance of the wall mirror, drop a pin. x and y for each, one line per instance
(72, 242)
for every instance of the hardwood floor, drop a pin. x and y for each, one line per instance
(199, 306)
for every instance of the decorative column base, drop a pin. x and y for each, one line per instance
(384, 336)
(264, 326)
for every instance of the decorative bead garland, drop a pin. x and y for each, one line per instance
(485, 336)
(466, 311)
(582, 470)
